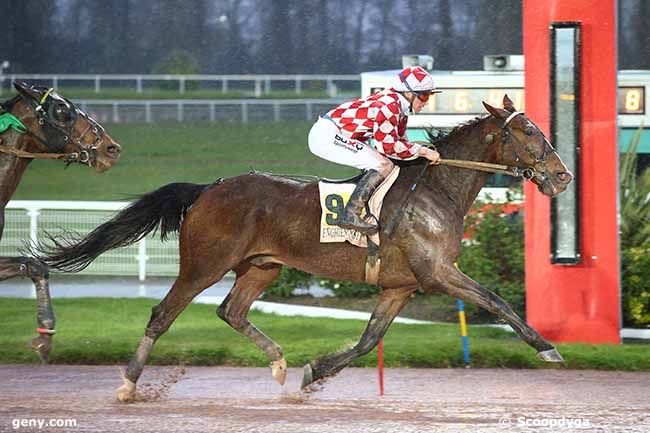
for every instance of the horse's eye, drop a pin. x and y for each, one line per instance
(61, 113)
(529, 131)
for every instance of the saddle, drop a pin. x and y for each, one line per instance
(334, 195)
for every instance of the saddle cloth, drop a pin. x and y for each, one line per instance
(334, 197)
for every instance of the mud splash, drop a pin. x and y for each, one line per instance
(157, 388)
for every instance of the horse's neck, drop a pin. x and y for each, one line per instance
(11, 167)
(463, 185)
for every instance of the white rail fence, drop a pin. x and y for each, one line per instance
(26, 221)
(259, 85)
(193, 110)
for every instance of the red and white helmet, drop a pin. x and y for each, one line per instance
(415, 79)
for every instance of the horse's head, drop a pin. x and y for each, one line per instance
(58, 126)
(523, 145)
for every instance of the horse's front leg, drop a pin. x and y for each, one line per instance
(455, 283)
(11, 267)
(391, 302)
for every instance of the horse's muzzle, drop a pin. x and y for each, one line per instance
(564, 177)
(106, 156)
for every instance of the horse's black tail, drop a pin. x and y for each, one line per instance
(165, 206)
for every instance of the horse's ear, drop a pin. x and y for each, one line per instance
(508, 105)
(27, 90)
(496, 112)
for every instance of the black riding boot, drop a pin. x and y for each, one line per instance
(351, 218)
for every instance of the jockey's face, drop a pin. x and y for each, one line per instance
(419, 103)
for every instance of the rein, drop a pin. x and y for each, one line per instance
(527, 173)
(67, 157)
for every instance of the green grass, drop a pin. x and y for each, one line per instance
(246, 91)
(107, 331)
(154, 155)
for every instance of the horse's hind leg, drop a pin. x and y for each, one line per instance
(391, 302)
(38, 272)
(251, 281)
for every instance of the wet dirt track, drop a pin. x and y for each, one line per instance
(223, 399)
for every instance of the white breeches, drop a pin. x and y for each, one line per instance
(326, 141)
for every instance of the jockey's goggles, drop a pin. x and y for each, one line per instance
(424, 96)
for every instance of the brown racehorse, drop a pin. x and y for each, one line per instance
(256, 223)
(55, 129)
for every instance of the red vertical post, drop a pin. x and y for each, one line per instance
(577, 303)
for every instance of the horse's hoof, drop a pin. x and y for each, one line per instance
(307, 377)
(42, 345)
(126, 392)
(551, 355)
(279, 371)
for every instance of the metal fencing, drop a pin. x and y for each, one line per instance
(259, 85)
(27, 221)
(191, 110)
(245, 95)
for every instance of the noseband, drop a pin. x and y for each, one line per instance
(58, 134)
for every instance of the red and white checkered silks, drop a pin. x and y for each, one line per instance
(381, 116)
(414, 79)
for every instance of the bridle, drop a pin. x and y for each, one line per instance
(58, 133)
(536, 172)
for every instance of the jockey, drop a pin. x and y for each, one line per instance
(343, 134)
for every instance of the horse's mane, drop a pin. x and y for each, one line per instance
(8, 105)
(468, 124)
(441, 139)
(451, 143)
